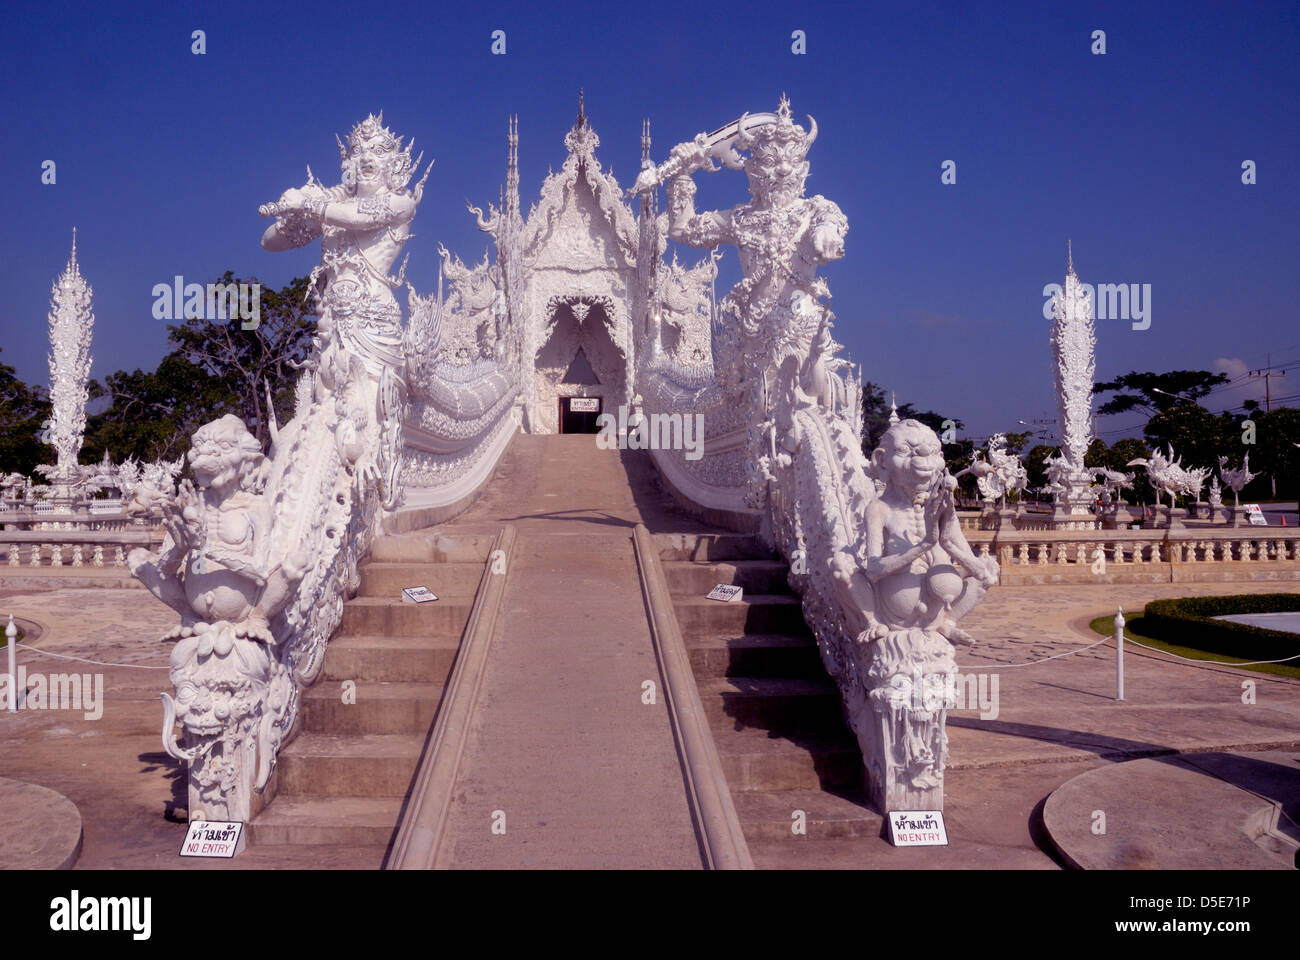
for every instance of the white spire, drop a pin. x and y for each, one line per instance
(893, 410)
(71, 321)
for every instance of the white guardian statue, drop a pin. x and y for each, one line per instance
(261, 549)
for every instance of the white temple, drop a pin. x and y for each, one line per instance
(399, 424)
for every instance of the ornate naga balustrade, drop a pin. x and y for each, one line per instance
(262, 548)
(876, 548)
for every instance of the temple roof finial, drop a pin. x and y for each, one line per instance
(893, 409)
(1069, 256)
(582, 113)
(73, 261)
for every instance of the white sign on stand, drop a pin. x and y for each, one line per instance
(1257, 518)
(917, 828)
(214, 838)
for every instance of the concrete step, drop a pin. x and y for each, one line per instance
(710, 546)
(755, 655)
(375, 616)
(379, 708)
(769, 815)
(688, 578)
(388, 578)
(756, 613)
(447, 545)
(755, 760)
(333, 765)
(782, 705)
(413, 659)
(350, 821)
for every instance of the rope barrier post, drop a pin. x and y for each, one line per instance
(11, 641)
(1119, 653)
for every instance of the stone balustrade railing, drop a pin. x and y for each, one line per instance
(96, 519)
(1133, 556)
(74, 548)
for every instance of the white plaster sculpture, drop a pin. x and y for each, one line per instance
(1238, 478)
(259, 555)
(71, 322)
(1168, 475)
(1114, 482)
(1216, 491)
(884, 576)
(1008, 472)
(781, 236)
(1073, 363)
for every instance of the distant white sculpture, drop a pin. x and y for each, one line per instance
(1073, 364)
(1113, 483)
(1216, 494)
(1238, 478)
(71, 322)
(1008, 472)
(1168, 475)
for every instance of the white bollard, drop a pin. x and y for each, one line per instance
(1119, 653)
(11, 638)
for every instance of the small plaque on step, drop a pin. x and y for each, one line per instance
(418, 595)
(214, 838)
(725, 592)
(917, 828)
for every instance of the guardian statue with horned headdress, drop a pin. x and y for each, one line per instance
(363, 223)
(777, 310)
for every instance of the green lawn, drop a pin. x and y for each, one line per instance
(1133, 628)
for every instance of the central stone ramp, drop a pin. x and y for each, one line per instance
(563, 752)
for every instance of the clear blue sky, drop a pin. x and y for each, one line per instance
(163, 156)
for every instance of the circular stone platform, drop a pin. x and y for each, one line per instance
(1191, 811)
(41, 829)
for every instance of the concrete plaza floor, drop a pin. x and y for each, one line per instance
(1053, 720)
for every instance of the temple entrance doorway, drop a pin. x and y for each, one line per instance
(579, 414)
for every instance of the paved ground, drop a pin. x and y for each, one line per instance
(572, 667)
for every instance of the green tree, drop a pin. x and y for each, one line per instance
(1274, 454)
(1155, 392)
(214, 368)
(23, 412)
(245, 361)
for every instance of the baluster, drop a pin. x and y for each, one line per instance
(13, 555)
(120, 559)
(1023, 553)
(1043, 547)
(99, 555)
(1058, 551)
(1277, 552)
(36, 555)
(1080, 552)
(77, 559)
(56, 555)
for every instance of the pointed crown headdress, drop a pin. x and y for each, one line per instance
(782, 138)
(400, 166)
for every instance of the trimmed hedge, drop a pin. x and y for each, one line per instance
(1188, 622)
